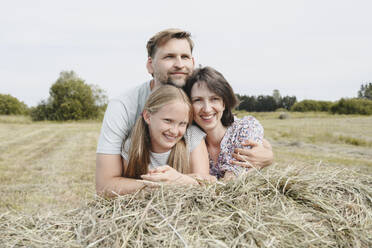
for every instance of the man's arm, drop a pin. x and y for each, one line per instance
(109, 180)
(259, 156)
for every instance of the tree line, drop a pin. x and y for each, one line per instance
(265, 103)
(71, 98)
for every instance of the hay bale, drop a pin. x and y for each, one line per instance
(296, 143)
(277, 207)
(284, 116)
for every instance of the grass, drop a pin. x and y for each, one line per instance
(334, 140)
(15, 119)
(317, 193)
(46, 165)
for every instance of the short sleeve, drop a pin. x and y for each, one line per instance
(193, 136)
(125, 151)
(115, 127)
(247, 128)
(120, 116)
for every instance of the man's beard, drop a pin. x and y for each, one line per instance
(171, 82)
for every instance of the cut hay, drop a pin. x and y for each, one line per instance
(290, 207)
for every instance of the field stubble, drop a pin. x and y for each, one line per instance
(46, 165)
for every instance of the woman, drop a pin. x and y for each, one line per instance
(212, 100)
(157, 141)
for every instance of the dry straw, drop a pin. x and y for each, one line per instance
(277, 207)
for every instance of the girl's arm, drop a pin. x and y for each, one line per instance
(199, 160)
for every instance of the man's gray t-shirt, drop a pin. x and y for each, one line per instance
(121, 115)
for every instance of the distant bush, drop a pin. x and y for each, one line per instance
(312, 105)
(281, 110)
(9, 105)
(71, 99)
(43, 111)
(352, 106)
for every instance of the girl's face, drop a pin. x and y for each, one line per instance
(208, 107)
(167, 126)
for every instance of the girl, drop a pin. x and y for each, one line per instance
(213, 100)
(157, 149)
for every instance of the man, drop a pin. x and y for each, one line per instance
(170, 61)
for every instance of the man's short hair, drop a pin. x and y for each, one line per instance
(164, 36)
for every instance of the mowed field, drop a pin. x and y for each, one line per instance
(48, 166)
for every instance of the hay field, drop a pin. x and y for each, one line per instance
(46, 166)
(318, 193)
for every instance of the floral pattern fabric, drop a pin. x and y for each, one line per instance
(247, 128)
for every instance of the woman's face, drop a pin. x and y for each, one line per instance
(208, 107)
(167, 126)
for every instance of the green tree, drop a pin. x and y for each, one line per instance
(9, 105)
(100, 96)
(265, 103)
(365, 91)
(288, 102)
(70, 99)
(247, 103)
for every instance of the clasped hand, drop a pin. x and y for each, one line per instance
(162, 174)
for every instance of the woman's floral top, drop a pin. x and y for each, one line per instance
(247, 128)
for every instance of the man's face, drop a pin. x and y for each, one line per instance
(172, 63)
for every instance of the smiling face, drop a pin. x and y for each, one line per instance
(167, 126)
(172, 63)
(208, 107)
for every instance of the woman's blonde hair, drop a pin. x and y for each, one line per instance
(139, 151)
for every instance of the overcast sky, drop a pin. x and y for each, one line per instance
(315, 49)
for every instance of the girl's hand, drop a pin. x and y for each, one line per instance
(167, 174)
(163, 173)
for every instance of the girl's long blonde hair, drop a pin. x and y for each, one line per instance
(139, 151)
